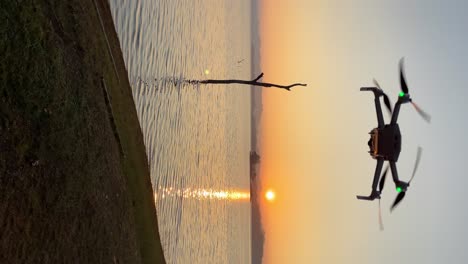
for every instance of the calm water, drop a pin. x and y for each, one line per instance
(197, 138)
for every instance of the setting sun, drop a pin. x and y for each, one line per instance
(270, 195)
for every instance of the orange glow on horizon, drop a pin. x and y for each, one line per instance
(290, 53)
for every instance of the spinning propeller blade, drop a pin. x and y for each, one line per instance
(423, 114)
(381, 186)
(377, 84)
(402, 194)
(404, 89)
(416, 164)
(385, 97)
(382, 181)
(380, 218)
(398, 199)
(387, 103)
(403, 85)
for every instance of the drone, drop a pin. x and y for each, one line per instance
(385, 141)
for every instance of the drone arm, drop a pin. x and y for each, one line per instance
(396, 112)
(378, 170)
(394, 172)
(375, 194)
(397, 181)
(396, 109)
(378, 108)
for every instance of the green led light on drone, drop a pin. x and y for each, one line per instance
(398, 189)
(401, 94)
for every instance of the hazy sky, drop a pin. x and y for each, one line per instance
(314, 139)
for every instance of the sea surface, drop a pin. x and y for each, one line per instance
(197, 137)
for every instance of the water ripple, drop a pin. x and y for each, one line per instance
(196, 138)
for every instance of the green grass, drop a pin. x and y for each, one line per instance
(69, 190)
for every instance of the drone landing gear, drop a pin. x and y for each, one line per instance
(375, 193)
(378, 109)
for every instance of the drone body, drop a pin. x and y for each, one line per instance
(385, 141)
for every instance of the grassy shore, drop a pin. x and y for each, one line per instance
(74, 178)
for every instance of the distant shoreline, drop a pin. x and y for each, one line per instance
(74, 177)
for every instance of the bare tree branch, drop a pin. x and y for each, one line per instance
(254, 82)
(259, 76)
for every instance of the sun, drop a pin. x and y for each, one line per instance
(270, 195)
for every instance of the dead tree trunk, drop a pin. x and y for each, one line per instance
(253, 82)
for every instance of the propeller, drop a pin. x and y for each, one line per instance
(380, 218)
(402, 193)
(423, 114)
(398, 199)
(416, 164)
(404, 89)
(382, 181)
(381, 186)
(385, 97)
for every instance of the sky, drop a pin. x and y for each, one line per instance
(314, 139)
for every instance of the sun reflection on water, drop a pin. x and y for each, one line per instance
(201, 194)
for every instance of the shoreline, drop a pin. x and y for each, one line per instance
(74, 177)
(141, 188)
